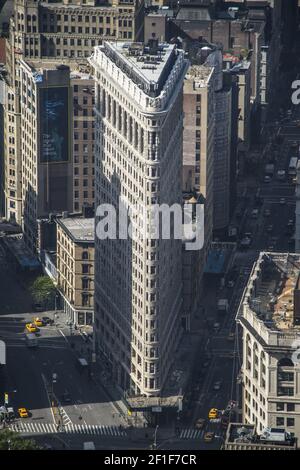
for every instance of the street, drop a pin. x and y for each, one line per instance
(89, 413)
(30, 371)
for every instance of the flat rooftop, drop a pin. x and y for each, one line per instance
(147, 65)
(241, 436)
(67, 6)
(200, 74)
(21, 253)
(78, 69)
(80, 229)
(271, 289)
(240, 432)
(194, 14)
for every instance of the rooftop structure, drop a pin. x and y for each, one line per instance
(243, 437)
(80, 229)
(272, 291)
(149, 67)
(200, 74)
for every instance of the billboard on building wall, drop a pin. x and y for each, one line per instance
(54, 124)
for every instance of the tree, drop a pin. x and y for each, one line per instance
(10, 440)
(43, 290)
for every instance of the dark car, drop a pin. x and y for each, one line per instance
(37, 307)
(47, 320)
(66, 398)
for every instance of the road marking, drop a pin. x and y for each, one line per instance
(62, 333)
(190, 434)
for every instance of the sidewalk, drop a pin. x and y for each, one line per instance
(99, 374)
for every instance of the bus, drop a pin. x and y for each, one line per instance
(293, 166)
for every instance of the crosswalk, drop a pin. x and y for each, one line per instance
(50, 428)
(191, 434)
(65, 417)
(113, 431)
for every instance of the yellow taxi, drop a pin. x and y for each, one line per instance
(38, 322)
(213, 413)
(31, 327)
(209, 436)
(23, 413)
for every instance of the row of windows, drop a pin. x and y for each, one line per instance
(285, 422)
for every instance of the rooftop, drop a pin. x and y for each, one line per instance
(78, 69)
(273, 289)
(201, 74)
(17, 247)
(194, 14)
(147, 65)
(244, 437)
(80, 229)
(55, 5)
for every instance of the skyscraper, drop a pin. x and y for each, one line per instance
(138, 284)
(61, 33)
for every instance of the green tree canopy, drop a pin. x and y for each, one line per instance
(43, 289)
(10, 440)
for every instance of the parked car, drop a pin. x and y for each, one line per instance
(209, 436)
(254, 213)
(66, 397)
(267, 179)
(217, 385)
(37, 307)
(200, 423)
(47, 320)
(231, 336)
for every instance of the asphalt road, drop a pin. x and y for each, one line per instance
(29, 371)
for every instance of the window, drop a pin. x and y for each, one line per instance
(286, 391)
(85, 300)
(85, 255)
(85, 283)
(279, 406)
(290, 422)
(279, 421)
(85, 268)
(290, 407)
